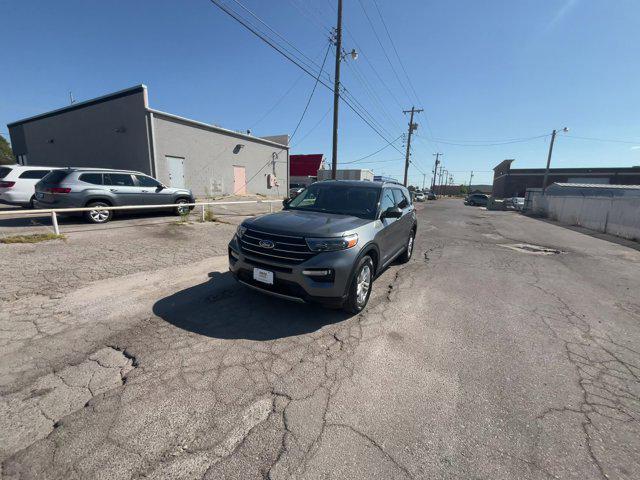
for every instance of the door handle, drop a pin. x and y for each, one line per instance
(145, 191)
(113, 189)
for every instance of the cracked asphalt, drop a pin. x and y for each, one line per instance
(147, 360)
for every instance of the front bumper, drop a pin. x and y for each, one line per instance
(289, 281)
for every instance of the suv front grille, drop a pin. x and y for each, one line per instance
(286, 249)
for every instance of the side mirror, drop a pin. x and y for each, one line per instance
(161, 186)
(391, 212)
(285, 203)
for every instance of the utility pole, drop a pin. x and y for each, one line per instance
(412, 127)
(435, 172)
(424, 179)
(546, 172)
(336, 92)
(470, 178)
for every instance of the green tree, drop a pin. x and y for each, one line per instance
(6, 155)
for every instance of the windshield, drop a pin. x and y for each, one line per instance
(341, 199)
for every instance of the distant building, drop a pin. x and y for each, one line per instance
(120, 130)
(303, 169)
(508, 182)
(347, 175)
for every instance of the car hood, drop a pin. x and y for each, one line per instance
(299, 223)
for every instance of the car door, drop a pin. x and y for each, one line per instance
(405, 222)
(389, 232)
(152, 192)
(122, 188)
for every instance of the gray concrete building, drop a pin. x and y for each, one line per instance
(120, 130)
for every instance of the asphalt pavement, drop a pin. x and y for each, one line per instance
(508, 347)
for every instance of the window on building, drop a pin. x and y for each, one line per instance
(145, 181)
(94, 178)
(34, 174)
(118, 179)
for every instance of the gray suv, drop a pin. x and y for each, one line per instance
(91, 187)
(328, 244)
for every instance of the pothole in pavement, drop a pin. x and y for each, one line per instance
(30, 414)
(533, 249)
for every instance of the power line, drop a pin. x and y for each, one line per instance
(384, 24)
(312, 128)
(291, 58)
(521, 140)
(313, 90)
(384, 51)
(630, 142)
(278, 102)
(374, 153)
(250, 12)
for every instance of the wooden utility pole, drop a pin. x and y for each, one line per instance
(412, 127)
(470, 179)
(336, 92)
(546, 172)
(435, 172)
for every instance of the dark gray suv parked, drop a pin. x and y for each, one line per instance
(91, 187)
(328, 244)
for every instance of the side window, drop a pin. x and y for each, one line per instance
(34, 174)
(401, 199)
(118, 179)
(387, 200)
(94, 178)
(145, 181)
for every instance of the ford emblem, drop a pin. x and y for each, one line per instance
(266, 244)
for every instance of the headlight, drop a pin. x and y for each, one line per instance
(332, 244)
(240, 231)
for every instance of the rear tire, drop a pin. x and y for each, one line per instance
(360, 288)
(98, 216)
(408, 251)
(32, 202)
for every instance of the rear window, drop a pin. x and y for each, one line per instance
(56, 176)
(118, 179)
(4, 171)
(94, 178)
(34, 174)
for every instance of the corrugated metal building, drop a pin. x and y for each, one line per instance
(120, 130)
(514, 182)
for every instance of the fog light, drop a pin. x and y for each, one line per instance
(317, 273)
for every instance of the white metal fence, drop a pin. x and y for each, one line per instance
(53, 212)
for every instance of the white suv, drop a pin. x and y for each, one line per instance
(17, 183)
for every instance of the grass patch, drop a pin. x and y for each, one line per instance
(209, 216)
(32, 238)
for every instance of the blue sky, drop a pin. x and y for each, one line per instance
(484, 72)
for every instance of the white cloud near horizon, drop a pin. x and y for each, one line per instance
(636, 147)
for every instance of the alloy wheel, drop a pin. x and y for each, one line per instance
(363, 284)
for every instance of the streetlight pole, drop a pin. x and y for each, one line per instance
(336, 93)
(546, 172)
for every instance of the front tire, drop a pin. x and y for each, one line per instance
(98, 216)
(360, 289)
(408, 251)
(181, 209)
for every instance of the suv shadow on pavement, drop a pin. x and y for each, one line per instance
(222, 308)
